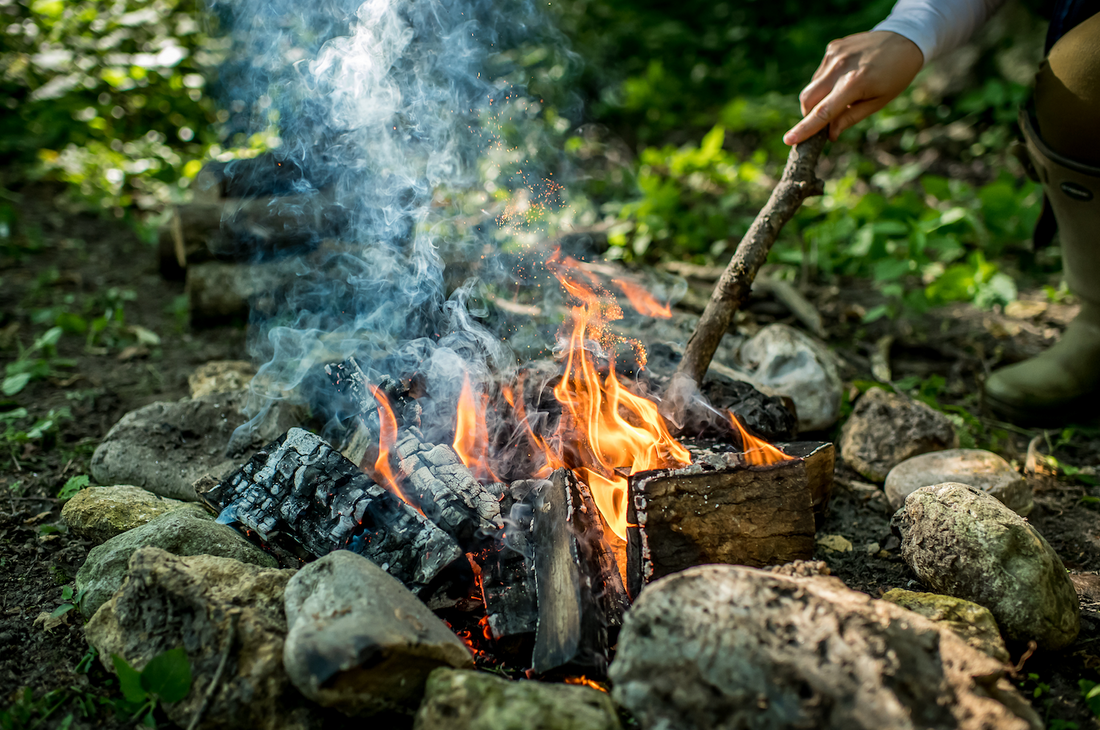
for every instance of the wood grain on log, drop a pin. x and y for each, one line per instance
(742, 515)
(799, 182)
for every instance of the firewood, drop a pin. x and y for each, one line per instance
(715, 512)
(580, 593)
(508, 569)
(798, 183)
(300, 489)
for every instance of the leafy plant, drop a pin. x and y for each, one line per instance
(69, 601)
(166, 678)
(72, 486)
(37, 362)
(13, 432)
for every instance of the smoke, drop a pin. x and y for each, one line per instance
(387, 107)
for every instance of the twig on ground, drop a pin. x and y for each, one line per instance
(213, 686)
(799, 182)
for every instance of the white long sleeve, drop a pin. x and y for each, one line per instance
(938, 26)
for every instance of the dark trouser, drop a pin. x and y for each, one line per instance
(1067, 94)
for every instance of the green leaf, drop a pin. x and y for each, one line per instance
(61, 610)
(168, 675)
(49, 339)
(15, 383)
(129, 680)
(67, 593)
(72, 486)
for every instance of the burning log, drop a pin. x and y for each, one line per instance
(723, 510)
(301, 489)
(508, 574)
(580, 593)
(445, 490)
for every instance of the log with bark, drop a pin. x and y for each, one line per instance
(719, 510)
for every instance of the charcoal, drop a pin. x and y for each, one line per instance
(445, 490)
(508, 570)
(765, 415)
(353, 395)
(300, 488)
(581, 598)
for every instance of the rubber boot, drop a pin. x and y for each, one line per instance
(1063, 383)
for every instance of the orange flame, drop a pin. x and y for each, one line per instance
(643, 302)
(757, 451)
(387, 437)
(471, 434)
(552, 461)
(609, 428)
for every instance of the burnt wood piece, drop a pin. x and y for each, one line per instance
(354, 396)
(720, 511)
(508, 570)
(820, 462)
(445, 490)
(580, 594)
(299, 488)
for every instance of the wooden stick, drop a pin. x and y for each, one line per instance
(799, 182)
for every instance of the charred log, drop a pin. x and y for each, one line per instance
(721, 511)
(580, 593)
(508, 573)
(445, 490)
(301, 489)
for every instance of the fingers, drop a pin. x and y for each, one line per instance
(824, 112)
(855, 113)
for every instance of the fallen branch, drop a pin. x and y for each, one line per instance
(798, 183)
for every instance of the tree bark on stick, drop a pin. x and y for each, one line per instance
(799, 182)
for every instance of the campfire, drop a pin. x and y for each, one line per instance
(558, 498)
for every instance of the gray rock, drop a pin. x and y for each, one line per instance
(180, 533)
(721, 646)
(781, 360)
(212, 607)
(360, 641)
(165, 447)
(980, 469)
(220, 376)
(459, 699)
(887, 428)
(100, 513)
(963, 542)
(974, 624)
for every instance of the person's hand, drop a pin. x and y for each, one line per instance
(859, 75)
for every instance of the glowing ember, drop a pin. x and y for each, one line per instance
(585, 681)
(606, 432)
(387, 437)
(643, 302)
(757, 452)
(471, 435)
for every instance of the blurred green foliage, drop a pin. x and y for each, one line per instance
(922, 198)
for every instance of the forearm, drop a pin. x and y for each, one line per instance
(938, 26)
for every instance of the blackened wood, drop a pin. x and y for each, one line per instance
(352, 400)
(445, 490)
(580, 595)
(799, 182)
(300, 488)
(712, 512)
(508, 568)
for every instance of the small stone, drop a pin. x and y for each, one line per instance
(360, 641)
(100, 513)
(973, 624)
(980, 469)
(722, 646)
(963, 542)
(182, 532)
(213, 608)
(835, 543)
(220, 376)
(887, 428)
(782, 360)
(466, 700)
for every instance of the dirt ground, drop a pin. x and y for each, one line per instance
(44, 672)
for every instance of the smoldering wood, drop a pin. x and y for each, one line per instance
(719, 510)
(351, 394)
(299, 488)
(581, 599)
(508, 569)
(798, 182)
(445, 490)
